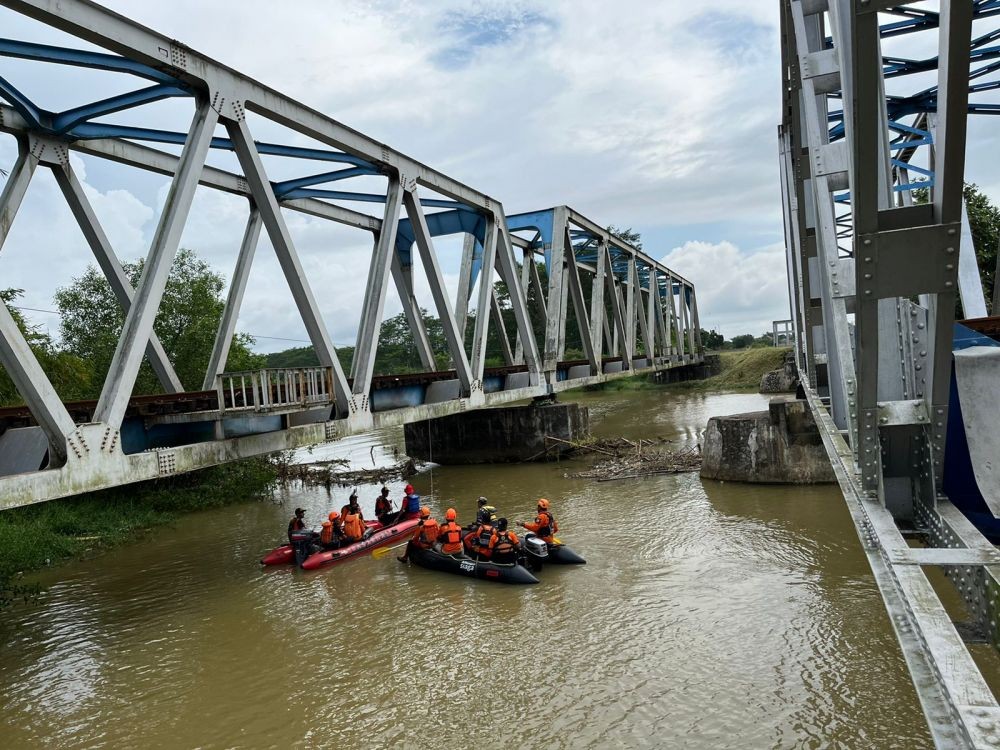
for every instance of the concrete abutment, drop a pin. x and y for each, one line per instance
(501, 435)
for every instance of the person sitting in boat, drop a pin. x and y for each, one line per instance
(450, 535)
(503, 544)
(545, 525)
(425, 535)
(383, 508)
(477, 541)
(486, 511)
(354, 525)
(410, 504)
(296, 524)
(352, 507)
(332, 534)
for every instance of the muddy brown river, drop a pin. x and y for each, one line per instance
(709, 615)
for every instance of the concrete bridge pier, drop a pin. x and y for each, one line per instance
(506, 434)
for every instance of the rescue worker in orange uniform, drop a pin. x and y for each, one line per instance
(383, 508)
(424, 536)
(296, 524)
(332, 533)
(545, 525)
(354, 525)
(477, 541)
(503, 544)
(450, 535)
(351, 507)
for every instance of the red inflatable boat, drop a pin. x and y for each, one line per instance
(381, 536)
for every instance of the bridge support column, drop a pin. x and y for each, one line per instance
(506, 435)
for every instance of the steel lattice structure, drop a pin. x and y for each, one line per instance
(873, 278)
(633, 302)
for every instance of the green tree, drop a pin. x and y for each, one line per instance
(984, 221)
(625, 234)
(189, 315)
(742, 341)
(712, 339)
(71, 376)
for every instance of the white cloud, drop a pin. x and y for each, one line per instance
(738, 292)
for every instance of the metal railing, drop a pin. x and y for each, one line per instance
(269, 390)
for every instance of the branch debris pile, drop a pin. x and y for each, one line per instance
(634, 459)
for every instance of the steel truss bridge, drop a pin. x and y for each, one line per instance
(633, 312)
(874, 271)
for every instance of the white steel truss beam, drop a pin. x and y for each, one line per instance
(141, 315)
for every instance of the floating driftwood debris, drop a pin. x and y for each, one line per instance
(633, 459)
(335, 472)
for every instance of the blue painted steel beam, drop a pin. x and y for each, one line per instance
(282, 188)
(98, 130)
(439, 224)
(83, 59)
(21, 103)
(65, 121)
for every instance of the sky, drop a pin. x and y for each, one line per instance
(659, 116)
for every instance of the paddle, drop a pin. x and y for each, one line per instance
(383, 551)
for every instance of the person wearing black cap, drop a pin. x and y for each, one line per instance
(383, 508)
(296, 524)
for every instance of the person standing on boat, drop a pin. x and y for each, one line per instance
(477, 541)
(503, 544)
(425, 535)
(296, 524)
(486, 512)
(450, 535)
(383, 508)
(545, 525)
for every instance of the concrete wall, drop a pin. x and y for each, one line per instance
(785, 380)
(781, 445)
(506, 434)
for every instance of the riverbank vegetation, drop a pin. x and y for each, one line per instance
(740, 371)
(59, 530)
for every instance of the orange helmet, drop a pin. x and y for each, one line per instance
(543, 503)
(425, 512)
(333, 514)
(450, 514)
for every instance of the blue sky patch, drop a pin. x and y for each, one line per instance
(468, 32)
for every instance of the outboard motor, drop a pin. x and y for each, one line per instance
(302, 543)
(535, 551)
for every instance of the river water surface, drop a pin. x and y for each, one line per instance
(709, 615)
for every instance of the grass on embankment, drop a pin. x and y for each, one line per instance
(741, 371)
(39, 535)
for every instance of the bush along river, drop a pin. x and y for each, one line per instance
(709, 615)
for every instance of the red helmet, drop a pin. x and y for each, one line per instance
(425, 512)
(408, 489)
(543, 503)
(450, 514)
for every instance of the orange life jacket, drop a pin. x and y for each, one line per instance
(382, 506)
(503, 542)
(326, 536)
(450, 537)
(427, 533)
(547, 525)
(354, 527)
